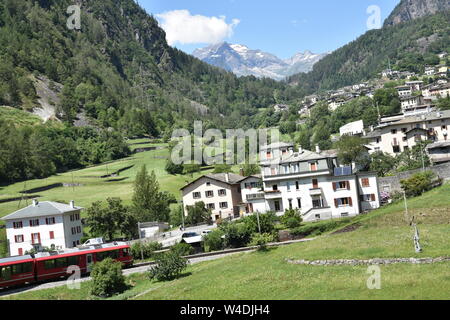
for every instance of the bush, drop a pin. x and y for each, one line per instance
(213, 241)
(315, 229)
(418, 183)
(183, 249)
(168, 266)
(266, 221)
(237, 235)
(292, 219)
(147, 248)
(107, 278)
(261, 240)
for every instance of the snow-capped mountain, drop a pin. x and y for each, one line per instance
(244, 61)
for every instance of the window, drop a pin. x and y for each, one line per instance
(290, 204)
(35, 238)
(317, 203)
(297, 185)
(315, 183)
(49, 264)
(341, 185)
(404, 130)
(275, 187)
(368, 197)
(78, 229)
(299, 203)
(277, 205)
(288, 185)
(52, 234)
(223, 205)
(273, 171)
(107, 254)
(34, 223)
(269, 154)
(73, 261)
(222, 192)
(365, 182)
(317, 216)
(19, 238)
(313, 166)
(343, 202)
(344, 214)
(396, 149)
(77, 216)
(394, 131)
(74, 230)
(18, 225)
(208, 184)
(209, 194)
(417, 137)
(50, 221)
(197, 195)
(211, 206)
(21, 268)
(405, 139)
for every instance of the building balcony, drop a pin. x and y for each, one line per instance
(255, 196)
(315, 191)
(272, 194)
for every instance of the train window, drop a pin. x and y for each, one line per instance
(73, 261)
(114, 254)
(49, 264)
(61, 263)
(101, 256)
(21, 268)
(27, 267)
(125, 252)
(5, 273)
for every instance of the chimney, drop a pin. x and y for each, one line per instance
(317, 148)
(72, 204)
(227, 177)
(35, 202)
(241, 171)
(300, 149)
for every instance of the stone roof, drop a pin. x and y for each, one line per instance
(41, 209)
(277, 145)
(304, 155)
(222, 177)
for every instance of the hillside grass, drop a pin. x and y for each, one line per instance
(19, 117)
(266, 275)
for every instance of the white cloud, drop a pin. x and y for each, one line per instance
(184, 28)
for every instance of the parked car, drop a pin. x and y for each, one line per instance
(189, 235)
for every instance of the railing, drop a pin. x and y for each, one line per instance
(255, 196)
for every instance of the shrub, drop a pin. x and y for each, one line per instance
(237, 235)
(292, 219)
(261, 240)
(418, 183)
(148, 249)
(168, 266)
(107, 278)
(183, 249)
(213, 241)
(266, 221)
(315, 229)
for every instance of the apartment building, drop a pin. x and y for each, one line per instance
(400, 135)
(253, 196)
(315, 184)
(221, 193)
(44, 225)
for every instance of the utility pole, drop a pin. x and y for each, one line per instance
(406, 207)
(182, 215)
(140, 240)
(259, 225)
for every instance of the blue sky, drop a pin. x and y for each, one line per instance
(282, 27)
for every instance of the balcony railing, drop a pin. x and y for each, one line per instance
(255, 196)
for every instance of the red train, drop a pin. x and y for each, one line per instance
(45, 266)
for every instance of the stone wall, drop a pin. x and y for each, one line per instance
(391, 184)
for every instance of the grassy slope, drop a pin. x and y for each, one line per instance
(266, 275)
(18, 117)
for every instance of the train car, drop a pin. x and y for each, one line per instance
(54, 265)
(15, 271)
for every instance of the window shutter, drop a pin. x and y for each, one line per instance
(39, 237)
(334, 186)
(372, 197)
(348, 185)
(350, 201)
(336, 203)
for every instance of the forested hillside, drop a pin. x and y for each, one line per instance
(119, 70)
(408, 46)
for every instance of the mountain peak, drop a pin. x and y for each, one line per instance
(244, 61)
(408, 10)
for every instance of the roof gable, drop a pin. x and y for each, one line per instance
(41, 209)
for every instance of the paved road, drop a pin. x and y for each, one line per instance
(125, 272)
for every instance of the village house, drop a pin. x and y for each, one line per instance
(221, 193)
(280, 107)
(397, 136)
(44, 225)
(442, 91)
(430, 71)
(352, 129)
(314, 183)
